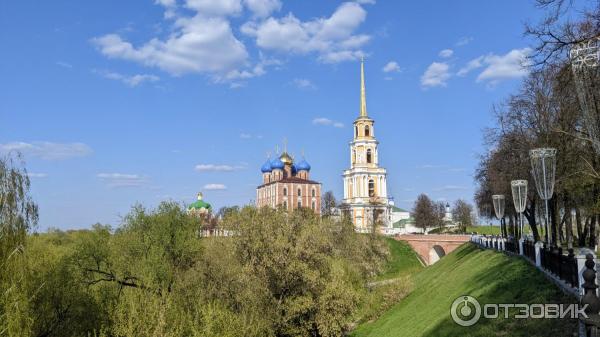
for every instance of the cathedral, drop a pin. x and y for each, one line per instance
(365, 187)
(288, 184)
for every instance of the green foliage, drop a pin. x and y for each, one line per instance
(18, 215)
(281, 274)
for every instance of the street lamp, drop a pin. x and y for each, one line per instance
(499, 202)
(543, 169)
(585, 63)
(519, 193)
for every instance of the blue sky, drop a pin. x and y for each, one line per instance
(118, 102)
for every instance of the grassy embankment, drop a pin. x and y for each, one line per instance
(392, 285)
(489, 276)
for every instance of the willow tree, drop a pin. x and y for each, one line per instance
(18, 215)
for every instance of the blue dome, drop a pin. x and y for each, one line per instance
(277, 164)
(266, 167)
(303, 166)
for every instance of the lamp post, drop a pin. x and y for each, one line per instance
(585, 64)
(519, 193)
(543, 169)
(499, 202)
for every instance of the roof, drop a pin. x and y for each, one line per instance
(294, 180)
(403, 222)
(199, 204)
(398, 209)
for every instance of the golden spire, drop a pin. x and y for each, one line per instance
(363, 95)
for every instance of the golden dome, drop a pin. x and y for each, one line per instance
(286, 158)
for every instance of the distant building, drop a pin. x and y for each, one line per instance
(199, 207)
(365, 182)
(288, 184)
(448, 214)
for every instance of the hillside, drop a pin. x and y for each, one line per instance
(490, 277)
(403, 260)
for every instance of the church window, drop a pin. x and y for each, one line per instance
(356, 131)
(299, 192)
(367, 131)
(313, 192)
(313, 206)
(285, 191)
(371, 188)
(299, 204)
(285, 204)
(369, 156)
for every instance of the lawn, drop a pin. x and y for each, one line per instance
(403, 260)
(392, 285)
(490, 277)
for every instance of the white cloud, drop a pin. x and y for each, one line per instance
(450, 188)
(436, 75)
(199, 44)
(499, 67)
(391, 66)
(471, 65)
(331, 38)
(217, 168)
(463, 41)
(212, 7)
(430, 166)
(37, 175)
(245, 135)
(132, 81)
(215, 187)
(263, 8)
(48, 150)
(327, 122)
(115, 180)
(303, 83)
(64, 64)
(511, 65)
(446, 53)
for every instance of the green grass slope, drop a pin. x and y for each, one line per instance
(490, 277)
(403, 260)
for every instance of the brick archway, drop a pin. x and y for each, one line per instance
(432, 247)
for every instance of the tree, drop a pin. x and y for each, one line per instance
(555, 34)
(462, 214)
(328, 203)
(18, 215)
(439, 213)
(424, 213)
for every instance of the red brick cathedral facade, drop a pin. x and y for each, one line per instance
(287, 184)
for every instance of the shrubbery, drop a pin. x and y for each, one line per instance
(282, 274)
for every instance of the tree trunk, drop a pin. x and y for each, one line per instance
(552, 212)
(580, 235)
(586, 231)
(568, 224)
(530, 216)
(593, 232)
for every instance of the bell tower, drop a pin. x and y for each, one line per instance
(365, 183)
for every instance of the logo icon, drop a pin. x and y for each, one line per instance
(465, 310)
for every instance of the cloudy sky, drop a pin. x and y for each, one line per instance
(114, 103)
